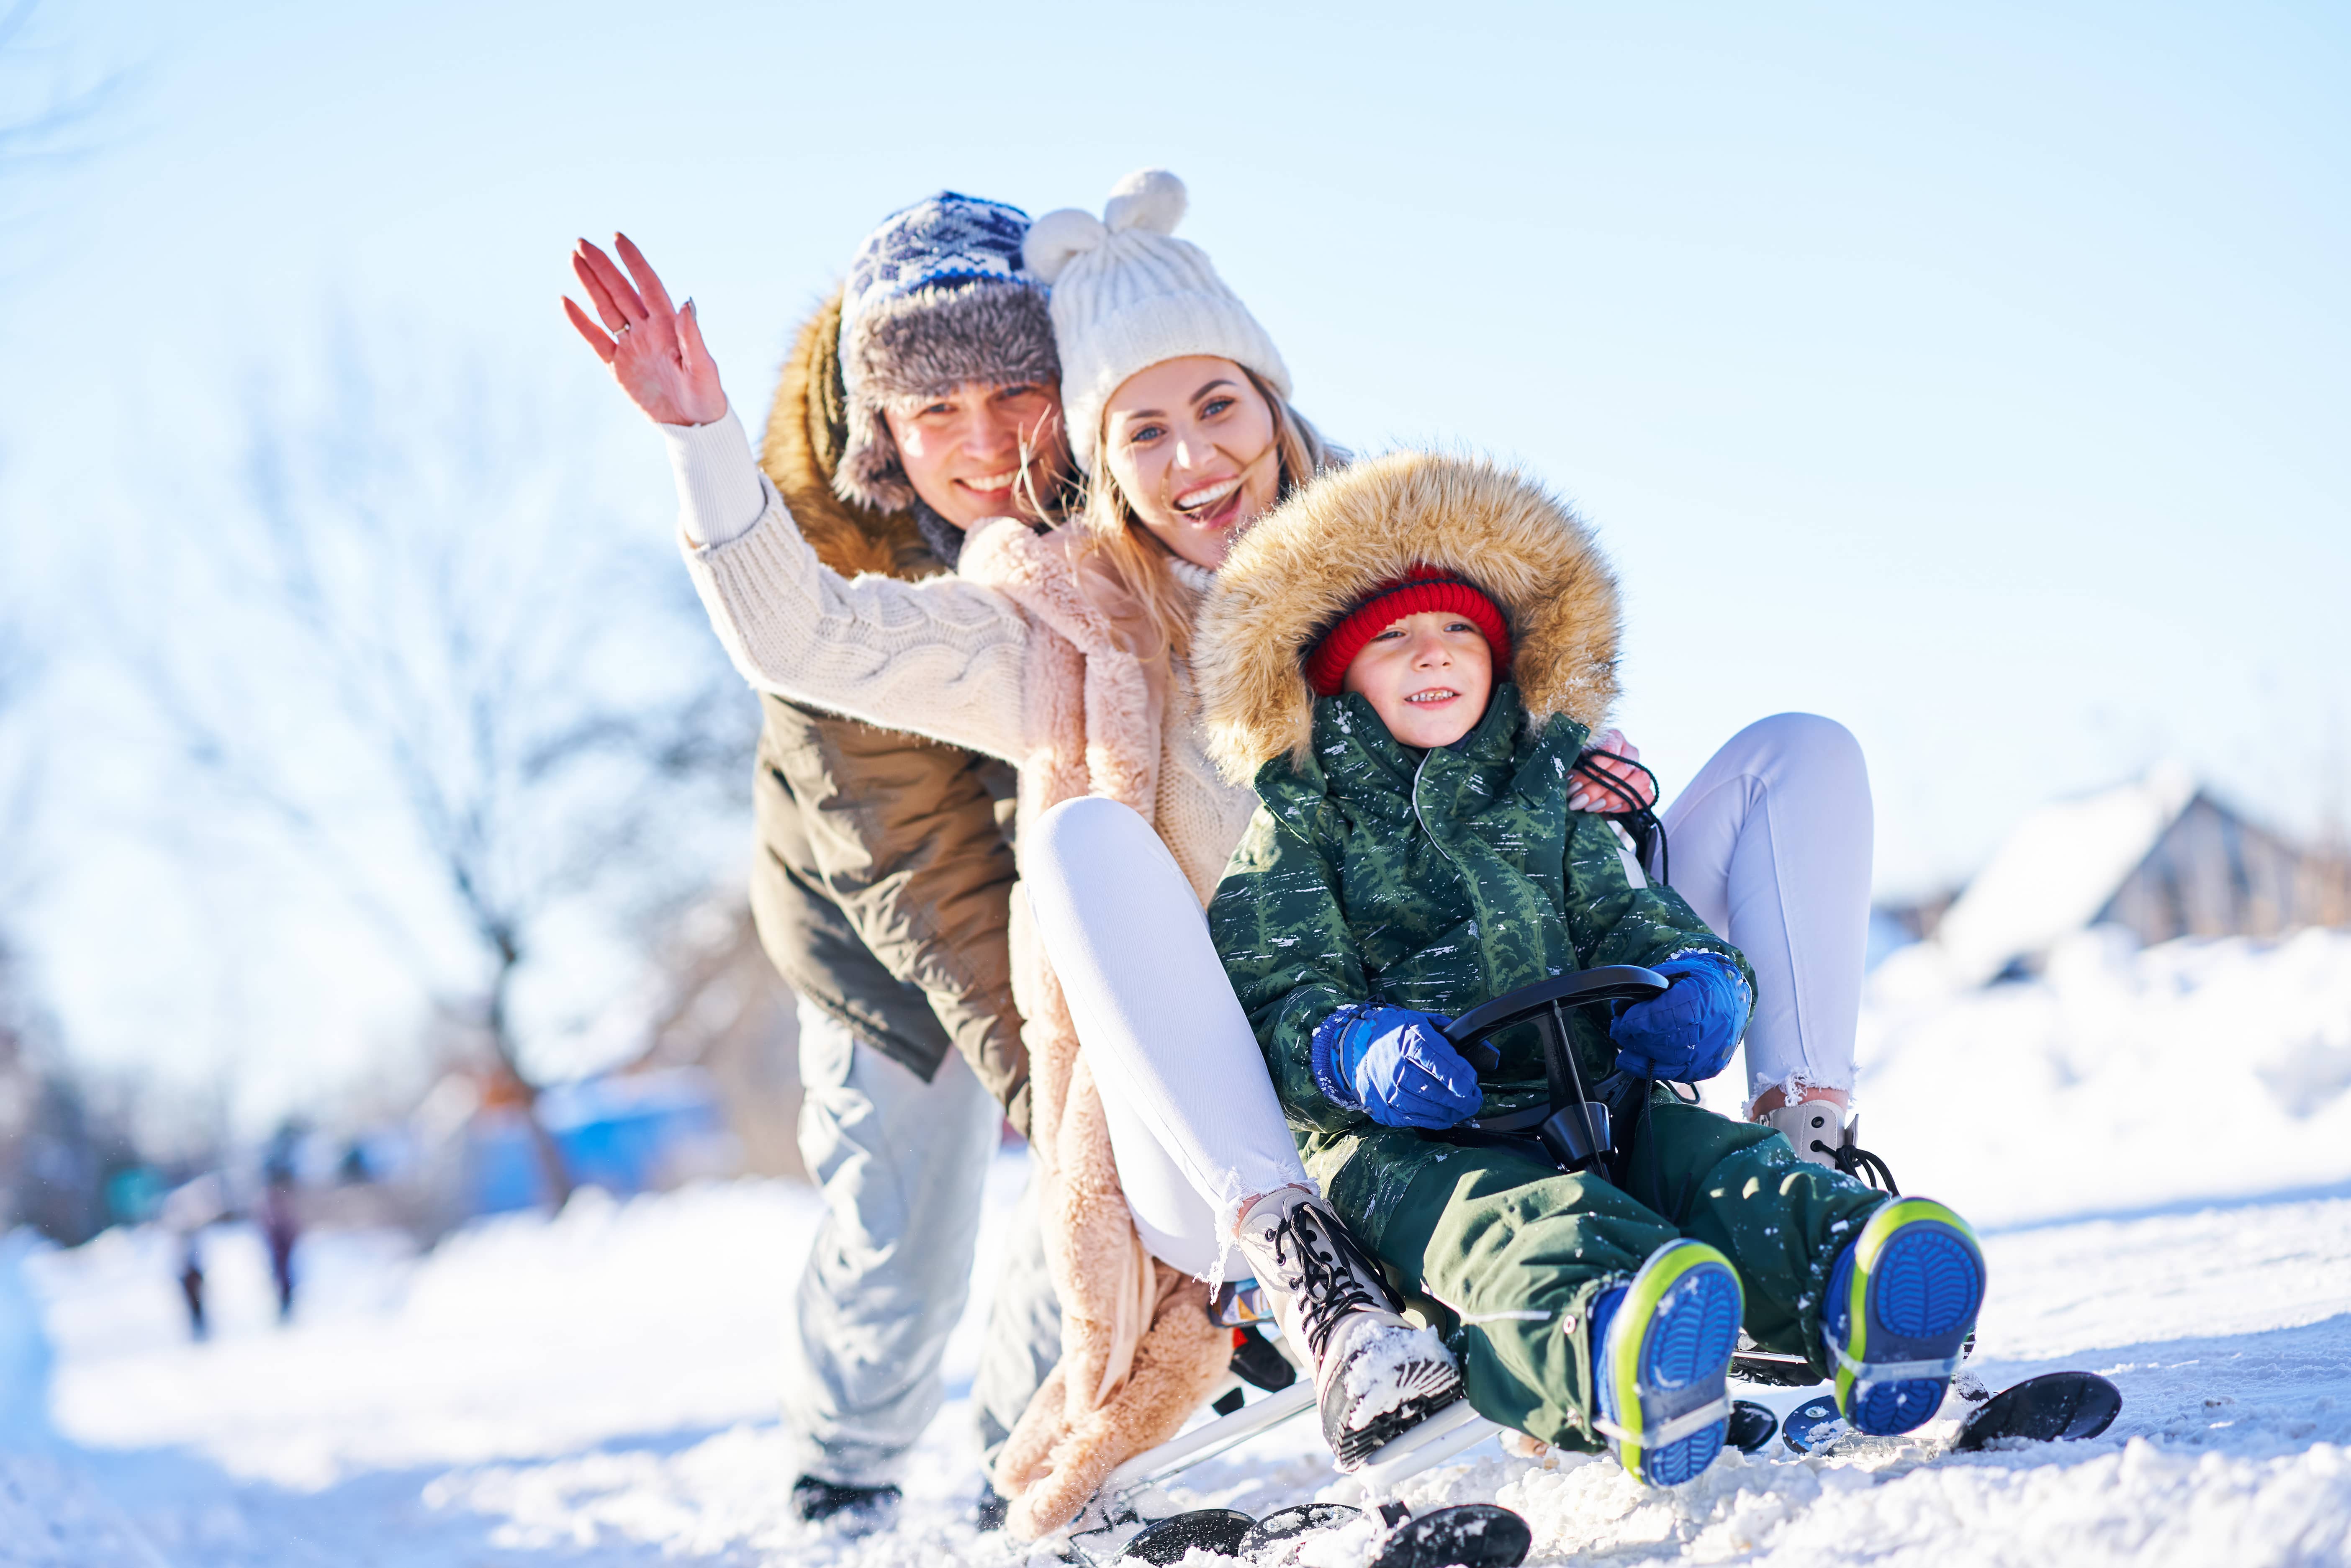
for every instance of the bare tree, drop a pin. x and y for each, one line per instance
(37, 126)
(46, 112)
(447, 654)
(21, 1021)
(19, 767)
(51, 1144)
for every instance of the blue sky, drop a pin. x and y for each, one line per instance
(1975, 374)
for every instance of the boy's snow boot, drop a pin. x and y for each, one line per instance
(851, 1509)
(1376, 1375)
(1902, 1301)
(1661, 1353)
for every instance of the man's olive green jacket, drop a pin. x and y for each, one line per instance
(884, 870)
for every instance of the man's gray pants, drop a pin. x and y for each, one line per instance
(1024, 1333)
(902, 1165)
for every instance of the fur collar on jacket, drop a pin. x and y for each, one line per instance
(808, 431)
(1298, 570)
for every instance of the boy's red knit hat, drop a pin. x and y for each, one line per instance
(1423, 588)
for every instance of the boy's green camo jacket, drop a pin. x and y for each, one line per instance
(1434, 881)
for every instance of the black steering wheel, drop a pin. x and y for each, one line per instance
(1573, 1127)
(1609, 983)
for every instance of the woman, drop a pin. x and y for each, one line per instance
(1065, 654)
(1072, 663)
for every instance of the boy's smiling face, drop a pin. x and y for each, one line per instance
(1427, 676)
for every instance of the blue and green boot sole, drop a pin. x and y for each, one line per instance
(1902, 1301)
(1663, 1365)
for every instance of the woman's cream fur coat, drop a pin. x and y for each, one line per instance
(1036, 654)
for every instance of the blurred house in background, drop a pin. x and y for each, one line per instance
(715, 1093)
(2160, 857)
(628, 1133)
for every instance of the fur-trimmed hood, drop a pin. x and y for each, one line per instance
(807, 436)
(1294, 574)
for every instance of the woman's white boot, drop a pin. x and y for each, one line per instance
(1815, 1129)
(1376, 1375)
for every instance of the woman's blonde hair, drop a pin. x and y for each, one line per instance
(1115, 534)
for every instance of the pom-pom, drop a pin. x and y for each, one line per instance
(1056, 237)
(1152, 200)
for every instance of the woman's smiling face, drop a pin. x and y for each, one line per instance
(1191, 444)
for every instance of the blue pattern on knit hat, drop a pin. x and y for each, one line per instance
(942, 239)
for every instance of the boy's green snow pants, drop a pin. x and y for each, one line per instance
(1504, 1253)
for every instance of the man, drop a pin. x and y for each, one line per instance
(921, 399)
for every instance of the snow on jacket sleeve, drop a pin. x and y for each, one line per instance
(1610, 920)
(1277, 923)
(942, 657)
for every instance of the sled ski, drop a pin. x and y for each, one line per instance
(1217, 1530)
(2056, 1406)
(1274, 1543)
(1471, 1534)
(1814, 1424)
(1468, 1535)
(1751, 1426)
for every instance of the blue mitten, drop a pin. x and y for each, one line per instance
(1394, 1063)
(1688, 1034)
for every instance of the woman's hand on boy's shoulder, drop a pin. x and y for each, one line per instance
(1614, 754)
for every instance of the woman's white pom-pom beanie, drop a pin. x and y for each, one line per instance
(1127, 293)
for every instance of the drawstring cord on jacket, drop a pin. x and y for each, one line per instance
(1640, 820)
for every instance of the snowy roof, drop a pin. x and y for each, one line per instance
(2058, 870)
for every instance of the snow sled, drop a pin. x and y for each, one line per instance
(1576, 1131)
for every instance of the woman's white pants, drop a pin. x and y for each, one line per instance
(1192, 1115)
(1770, 843)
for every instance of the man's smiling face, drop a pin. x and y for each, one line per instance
(965, 453)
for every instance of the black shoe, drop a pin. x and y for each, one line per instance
(1257, 1362)
(987, 1514)
(855, 1511)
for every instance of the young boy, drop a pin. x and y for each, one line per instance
(1407, 659)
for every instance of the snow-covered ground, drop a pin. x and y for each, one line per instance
(2156, 1144)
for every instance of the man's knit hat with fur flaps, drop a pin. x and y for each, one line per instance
(1318, 556)
(936, 296)
(1127, 295)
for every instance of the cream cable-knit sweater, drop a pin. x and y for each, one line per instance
(942, 657)
(1034, 655)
